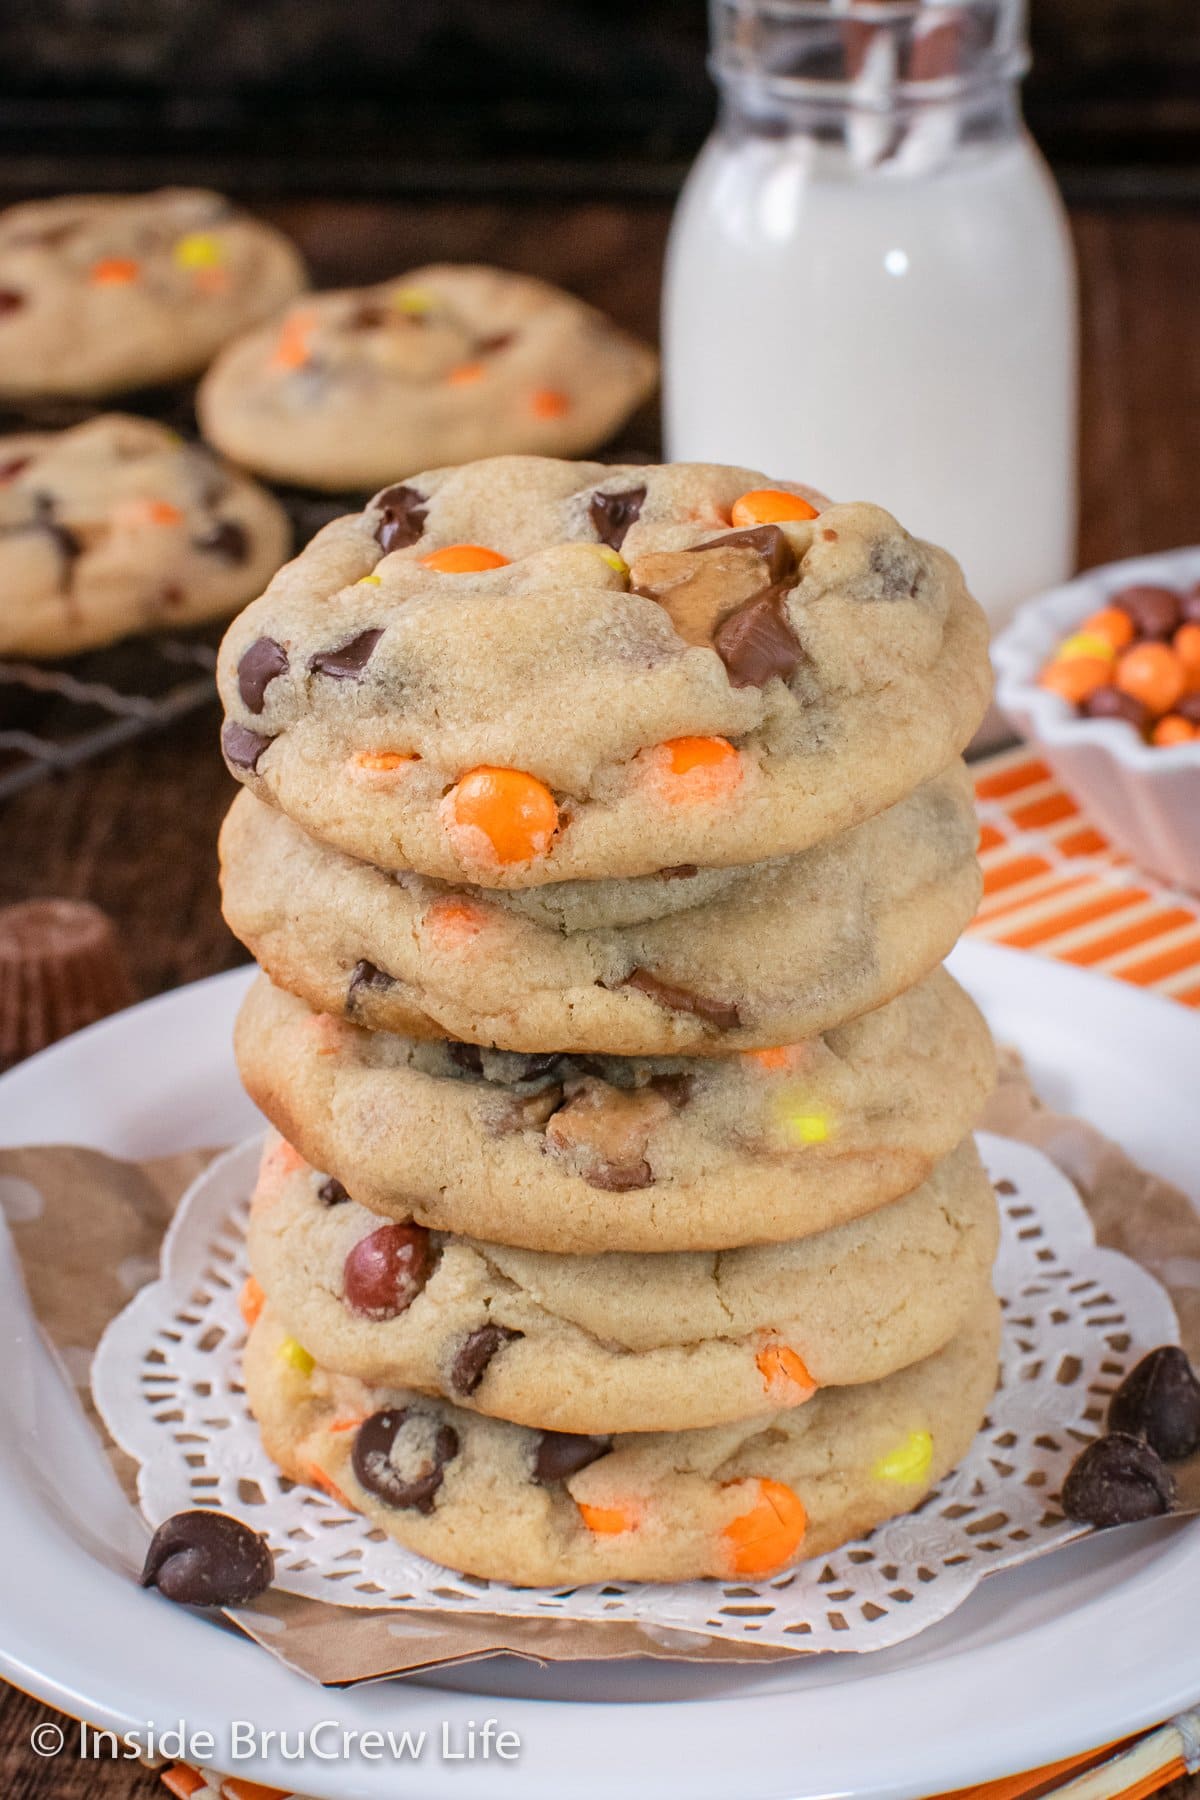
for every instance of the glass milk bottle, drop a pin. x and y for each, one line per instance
(870, 285)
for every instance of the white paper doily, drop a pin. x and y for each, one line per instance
(167, 1381)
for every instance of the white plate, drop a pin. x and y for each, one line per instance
(1040, 1663)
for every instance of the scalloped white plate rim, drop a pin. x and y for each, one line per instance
(1028, 1670)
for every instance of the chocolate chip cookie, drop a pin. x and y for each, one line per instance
(735, 959)
(524, 671)
(586, 1154)
(100, 293)
(547, 1507)
(620, 1342)
(117, 526)
(352, 389)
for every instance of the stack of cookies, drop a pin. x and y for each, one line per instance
(603, 830)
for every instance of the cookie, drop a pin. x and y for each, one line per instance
(620, 1342)
(780, 951)
(100, 293)
(117, 526)
(587, 1154)
(525, 671)
(350, 390)
(543, 1508)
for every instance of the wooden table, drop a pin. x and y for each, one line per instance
(136, 832)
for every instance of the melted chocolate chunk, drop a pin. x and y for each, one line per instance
(242, 747)
(259, 665)
(385, 1271)
(756, 642)
(404, 513)
(675, 1088)
(369, 317)
(562, 1453)
(377, 1473)
(365, 975)
(474, 1354)
(348, 662)
(226, 539)
(613, 514)
(331, 1192)
(680, 872)
(1159, 1401)
(10, 301)
(468, 1057)
(768, 540)
(492, 346)
(722, 1013)
(204, 1558)
(1117, 1481)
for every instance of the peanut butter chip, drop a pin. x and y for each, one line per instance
(604, 1132)
(696, 591)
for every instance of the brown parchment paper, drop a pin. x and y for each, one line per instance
(88, 1230)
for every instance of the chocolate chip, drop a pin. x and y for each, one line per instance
(404, 513)
(332, 1193)
(242, 747)
(369, 318)
(1110, 703)
(260, 664)
(226, 539)
(675, 1089)
(613, 514)
(562, 1453)
(1117, 1481)
(1155, 611)
(203, 1558)
(365, 975)
(470, 1364)
(348, 662)
(756, 642)
(379, 1475)
(722, 1013)
(768, 540)
(680, 872)
(468, 1057)
(10, 301)
(1159, 1401)
(385, 1271)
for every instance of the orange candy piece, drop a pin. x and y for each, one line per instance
(463, 559)
(608, 1521)
(318, 1478)
(1153, 674)
(251, 1301)
(767, 1537)
(777, 1059)
(454, 923)
(1173, 729)
(549, 403)
(1186, 644)
(515, 812)
(114, 271)
(1076, 679)
(784, 1374)
(1111, 624)
(279, 1161)
(770, 506)
(697, 768)
(384, 762)
(466, 374)
(292, 346)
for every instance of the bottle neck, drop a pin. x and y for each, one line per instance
(904, 84)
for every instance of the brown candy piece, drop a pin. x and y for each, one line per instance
(475, 1353)
(348, 661)
(400, 1456)
(331, 1192)
(385, 1271)
(203, 1558)
(697, 592)
(604, 1131)
(227, 539)
(1155, 611)
(721, 1013)
(562, 1453)
(613, 514)
(61, 968)
(242, 747)
(1117, 1481)
(770, 542)
(1109, 702)
(1159, 1401)
(756, 642)
(404, 513)
(257, 669)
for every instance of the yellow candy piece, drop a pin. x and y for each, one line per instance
(801, 1125)
(413, 300)
(1085, 643)
(296, 1356)
(909, 1462)
(198, 251)
(614, 561)
(369, 581)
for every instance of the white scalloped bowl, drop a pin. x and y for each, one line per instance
(1145, 799)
